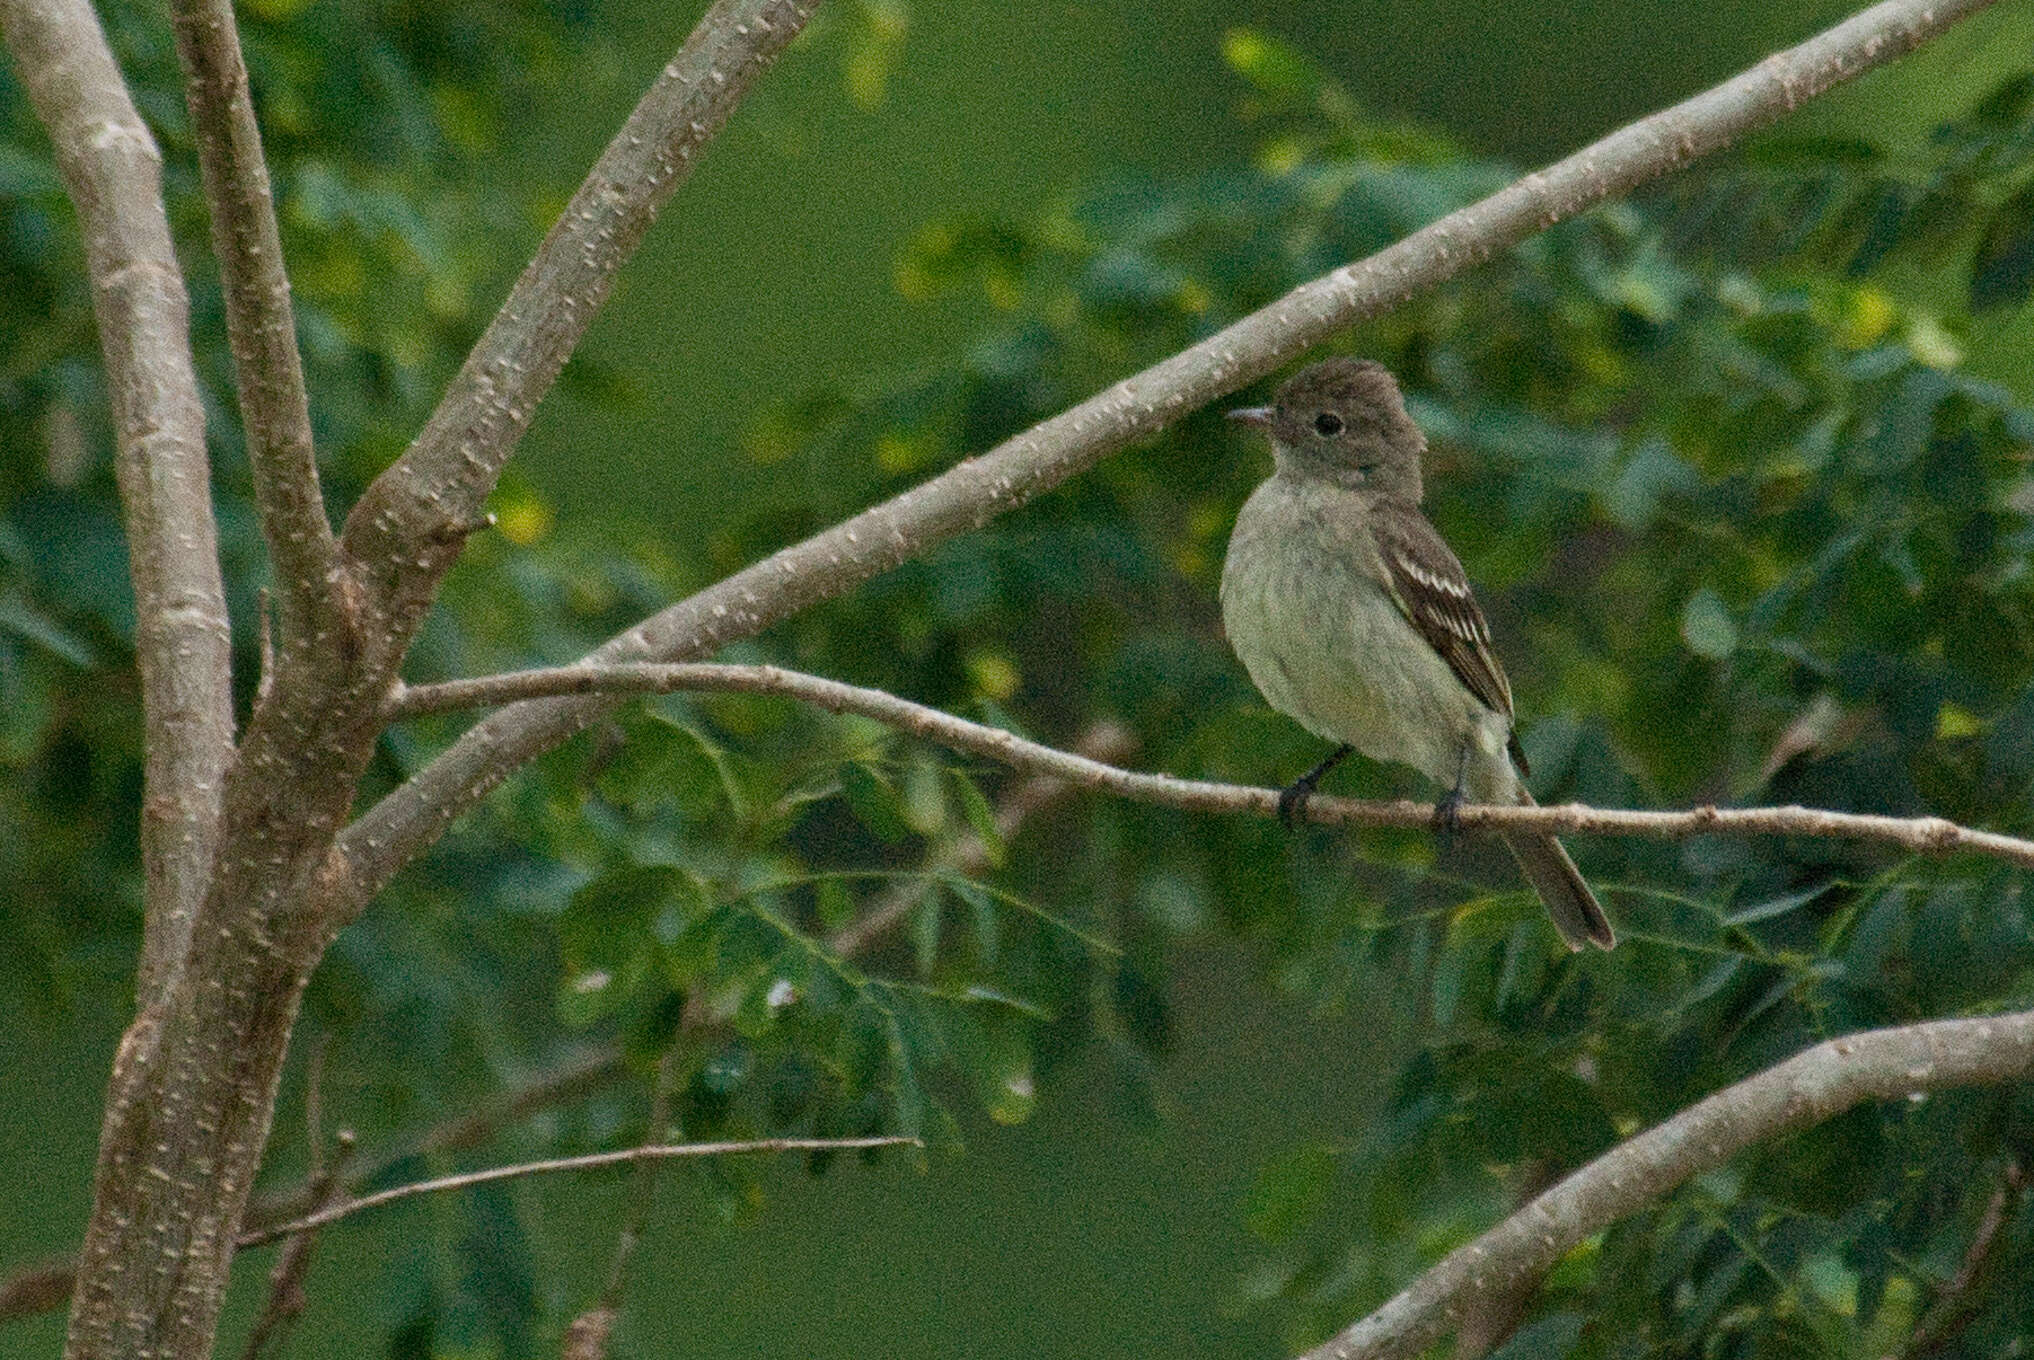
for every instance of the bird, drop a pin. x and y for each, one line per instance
(1355, 619)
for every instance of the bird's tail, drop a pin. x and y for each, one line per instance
(1576, 912)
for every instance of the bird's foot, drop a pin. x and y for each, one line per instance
(1448, 815)
(1292, 804)
(1292, 801)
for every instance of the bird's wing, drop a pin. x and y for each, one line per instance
(1431, 589)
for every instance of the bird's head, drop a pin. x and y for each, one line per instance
(1342, 420)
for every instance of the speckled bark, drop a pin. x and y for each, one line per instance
(194, 1083)
(1826, 1080)
(268, 373)
(113, 174)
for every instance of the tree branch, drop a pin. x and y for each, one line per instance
(47, 1286)
(621, 1157)
(586, 1338)
(112, 172)
(970, 495)
(260, 324)
(406, 530)
(1805, 1090)
(1922, 835)
(193, 1088)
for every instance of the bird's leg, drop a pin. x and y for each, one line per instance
(1448, 809)
(1292, 804)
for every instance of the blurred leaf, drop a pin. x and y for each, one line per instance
(982, 817)
(2002, 274)
(925, 931)
(1549, 1338)
(31, 623)
(609, 919)
(1290, 1191)
(1271, 64)
(1706, 626)
(1008, 1086)
(875, 802)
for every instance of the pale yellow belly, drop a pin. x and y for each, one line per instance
(1329, 648)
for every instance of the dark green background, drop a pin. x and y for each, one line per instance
(1082, 1233)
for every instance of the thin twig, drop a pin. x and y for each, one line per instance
(260, 323)
(588, 1162)
(1922, 835)
(286, 1297)
(1955, 1307)
(976, 491)
(113, 173)
(1806, 1089)
(586, 1338)
(45, 1287)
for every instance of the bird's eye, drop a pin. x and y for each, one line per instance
(1328, 423)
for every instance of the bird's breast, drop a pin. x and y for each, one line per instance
(1326, 645)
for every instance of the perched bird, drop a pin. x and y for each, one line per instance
(1355, 619)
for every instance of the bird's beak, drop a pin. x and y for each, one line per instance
(1252, 415)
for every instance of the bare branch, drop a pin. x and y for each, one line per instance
(409, 525)
(184, 1129)
(586, 1338)
(591, 1161)
(1922, 835)
(40, 1288)
(968, 496)
(113, 174)
(1805, 1090)
(260, 323)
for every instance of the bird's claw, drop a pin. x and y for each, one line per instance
(1448, 814)
(1292, 802)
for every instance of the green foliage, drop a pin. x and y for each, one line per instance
(1745, 528)
(1746, 531)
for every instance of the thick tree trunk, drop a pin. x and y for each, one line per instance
(194, 1083)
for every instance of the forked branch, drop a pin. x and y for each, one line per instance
(418, 511)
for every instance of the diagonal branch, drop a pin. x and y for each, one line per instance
(407, 528)
(970, 495)
(1922, 835)
(113, 173)
(590, 1161)
(260, 323)
(1805, 1090)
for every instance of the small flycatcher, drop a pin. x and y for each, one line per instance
(1355, 619)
